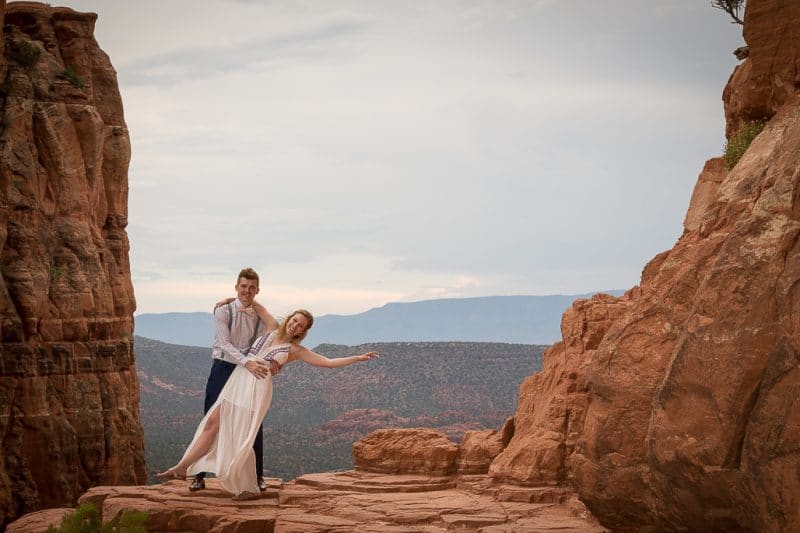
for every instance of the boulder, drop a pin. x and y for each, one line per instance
(406, 451)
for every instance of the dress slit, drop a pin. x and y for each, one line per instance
(242, 405)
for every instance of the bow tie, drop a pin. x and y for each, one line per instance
(248, 310)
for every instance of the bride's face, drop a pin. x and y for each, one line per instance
(297, 325)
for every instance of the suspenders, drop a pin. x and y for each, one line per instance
(230, 323)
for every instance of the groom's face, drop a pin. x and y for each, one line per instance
(246, 290)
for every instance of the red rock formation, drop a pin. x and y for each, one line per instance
(39, 520)
(479, 448)
(761, 84)
(675, 407)
(341, 502)
(2, 41)
(552, 403)
(705, 192)
(672, 408)
(407, 451)
(690, 420)
(68, 387)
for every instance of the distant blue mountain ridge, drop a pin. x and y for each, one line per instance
(509, 319)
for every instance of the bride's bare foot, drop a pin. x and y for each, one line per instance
(172, 473)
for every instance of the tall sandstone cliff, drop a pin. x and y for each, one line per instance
(69, 396)
(677, 406)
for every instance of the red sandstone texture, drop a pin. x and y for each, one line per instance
(479, 448)
(671, 408)
(761, 84)
(406, 451)
(553, 402)
(425, 451)
(422, 493)
(675, 407)
(68, 388)
(692, 419)
(343, 502)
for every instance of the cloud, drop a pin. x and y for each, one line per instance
(361, 151)
(188, 64)
(192, 295)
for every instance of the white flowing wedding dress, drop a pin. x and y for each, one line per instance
(242, 403)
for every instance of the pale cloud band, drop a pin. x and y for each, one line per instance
(362, 152)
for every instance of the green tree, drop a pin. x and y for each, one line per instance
(731, 7)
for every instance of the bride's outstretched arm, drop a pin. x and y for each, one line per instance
(315, 359)
(265, 316)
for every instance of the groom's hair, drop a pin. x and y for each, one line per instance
(247, 273)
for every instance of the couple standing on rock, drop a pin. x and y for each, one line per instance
(250, 347)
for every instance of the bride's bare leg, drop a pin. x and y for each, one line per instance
(199, 449)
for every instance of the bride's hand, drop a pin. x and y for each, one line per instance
(367, 356)
(224, 301)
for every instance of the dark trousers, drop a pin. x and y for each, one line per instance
(220, 372)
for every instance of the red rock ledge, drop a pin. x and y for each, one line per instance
(343, 502)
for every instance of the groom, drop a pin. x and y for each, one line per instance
(236, 327)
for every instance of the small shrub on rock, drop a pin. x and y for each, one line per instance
(86, 519)
(71, 76)
(739, 141)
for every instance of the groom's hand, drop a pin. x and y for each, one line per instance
(274, 367)
(257, 368)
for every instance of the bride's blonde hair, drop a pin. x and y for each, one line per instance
(297, 338)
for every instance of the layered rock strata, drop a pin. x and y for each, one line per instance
(68, 388)
(407, 451)
(425, 451)
(342, 502)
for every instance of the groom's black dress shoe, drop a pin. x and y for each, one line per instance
(199, 483)
(262, 484)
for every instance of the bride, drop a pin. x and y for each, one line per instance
(223, 442)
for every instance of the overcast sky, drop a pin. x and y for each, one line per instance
(361, 152)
